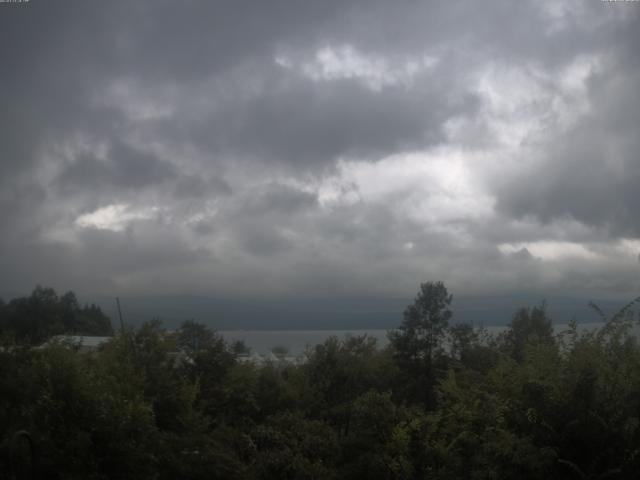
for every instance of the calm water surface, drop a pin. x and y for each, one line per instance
(296, 341)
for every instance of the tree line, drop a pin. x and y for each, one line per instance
(440, 401)
(44, 314)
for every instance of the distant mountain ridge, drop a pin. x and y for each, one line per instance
(332, 314)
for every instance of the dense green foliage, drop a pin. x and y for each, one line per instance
(44, 314)
(440, 402)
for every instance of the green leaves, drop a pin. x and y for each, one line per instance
(43, 314)
(417, 344)
(437, 403)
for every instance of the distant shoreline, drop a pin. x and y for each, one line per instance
(296, 341)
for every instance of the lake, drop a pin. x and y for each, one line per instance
(296, 341)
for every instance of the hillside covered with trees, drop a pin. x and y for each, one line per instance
(44, 314)
(441, 401)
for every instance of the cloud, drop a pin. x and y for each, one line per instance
(590, 171)
(122, 167)
(338, 148)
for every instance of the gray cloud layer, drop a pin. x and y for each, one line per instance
(329, 148)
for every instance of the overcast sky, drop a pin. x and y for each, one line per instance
(320, 148)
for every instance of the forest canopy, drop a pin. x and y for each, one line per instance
(440, 401)
(44, 314)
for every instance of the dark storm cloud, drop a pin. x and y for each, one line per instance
(99, 260)
(192, 186)
(301, 122)
(274, 198)
(206, 145)
(590, 174)
(50, 64)
(125, 167)
(145, 245)
(263, 240)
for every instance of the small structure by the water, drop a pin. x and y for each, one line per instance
(260, 359)
(82, 343)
